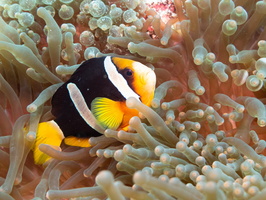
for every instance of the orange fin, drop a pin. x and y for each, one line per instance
(47, 133)
(78, 142)
(108, 112)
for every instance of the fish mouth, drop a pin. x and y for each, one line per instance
(148, 78)
(146, 74)
(151, 75)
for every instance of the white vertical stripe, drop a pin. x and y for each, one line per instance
(118, 80)
(82, 108)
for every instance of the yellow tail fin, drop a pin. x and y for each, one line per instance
(47, 133)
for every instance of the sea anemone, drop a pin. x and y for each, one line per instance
(202, 137)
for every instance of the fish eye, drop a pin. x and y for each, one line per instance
(128, 72)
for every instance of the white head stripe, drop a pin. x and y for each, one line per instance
(118, 80)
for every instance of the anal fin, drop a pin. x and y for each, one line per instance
(78, 142)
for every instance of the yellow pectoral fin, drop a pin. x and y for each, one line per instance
(108, 112)
(47, 133)
(78, 142)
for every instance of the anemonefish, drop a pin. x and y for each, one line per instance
(105, 84)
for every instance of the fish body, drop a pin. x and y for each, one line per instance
(105, 84)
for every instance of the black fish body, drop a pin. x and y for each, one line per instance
(92, 81)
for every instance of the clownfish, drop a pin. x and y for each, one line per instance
(105, 83)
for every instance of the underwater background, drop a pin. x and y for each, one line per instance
(202, 138)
